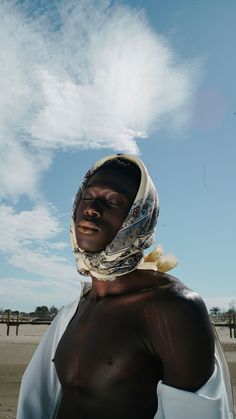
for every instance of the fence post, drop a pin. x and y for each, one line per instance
(17, 323)
(230, 326)
(8, 322)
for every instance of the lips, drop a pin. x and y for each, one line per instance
(87, 227)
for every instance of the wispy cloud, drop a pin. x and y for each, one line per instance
(48, 292)
(28, 240)
(20, 168)
(21, 50)
(95, 76)
(22, 229)
(129, 82)
(223, 303)
(48, 266)
(74, 75)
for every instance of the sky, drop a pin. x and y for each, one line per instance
(83, 79)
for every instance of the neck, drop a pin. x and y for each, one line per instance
(102, 288)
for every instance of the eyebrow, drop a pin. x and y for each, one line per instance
(114, 187)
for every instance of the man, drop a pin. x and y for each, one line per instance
(138, 344)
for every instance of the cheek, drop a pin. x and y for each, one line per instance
(123, 216)
(116, 223)
(78, 212)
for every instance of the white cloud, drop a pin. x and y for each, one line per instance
(129, 81)
(19, 230)
(25, 295)
(222, 302)
(48, 266)
(26, 240)
(98, 76)
(21, 166)
(80, 75)
(20, 170)
(58, 245)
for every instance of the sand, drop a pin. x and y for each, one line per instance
(16, 351)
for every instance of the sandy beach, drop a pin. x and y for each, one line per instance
(16, 351)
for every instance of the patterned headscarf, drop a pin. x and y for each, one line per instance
(137, 233)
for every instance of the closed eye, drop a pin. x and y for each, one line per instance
(116, 204)
(107, 197)
(105, 201)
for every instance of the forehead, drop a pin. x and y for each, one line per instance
(115, 180)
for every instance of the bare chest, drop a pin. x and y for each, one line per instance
(102, 347)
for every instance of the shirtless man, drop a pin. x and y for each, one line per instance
(132, 329)
(129, 333)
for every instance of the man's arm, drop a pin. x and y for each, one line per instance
(187, 351)
(181, 336)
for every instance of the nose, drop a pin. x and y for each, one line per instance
(92, 210)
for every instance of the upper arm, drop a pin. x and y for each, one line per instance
(183, 340)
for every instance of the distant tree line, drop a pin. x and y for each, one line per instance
(40, 311)
(219, 313)
(45, 311)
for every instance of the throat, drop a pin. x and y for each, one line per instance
(119, 285)
(106, 287)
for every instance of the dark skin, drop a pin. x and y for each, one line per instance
(102, 209)
(129, 333)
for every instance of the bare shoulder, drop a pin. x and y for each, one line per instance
(179, 332)
(172, 297)
(173, 310)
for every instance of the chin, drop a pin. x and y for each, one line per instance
(89, 247)
(106, 279)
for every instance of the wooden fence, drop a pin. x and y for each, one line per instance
(16, 320)
(231, 325)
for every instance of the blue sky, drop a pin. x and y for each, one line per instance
(79, 82)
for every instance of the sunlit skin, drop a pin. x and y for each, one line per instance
(129, 333)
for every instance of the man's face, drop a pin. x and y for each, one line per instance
(104, 205)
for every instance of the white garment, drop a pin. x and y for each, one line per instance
(41, 391)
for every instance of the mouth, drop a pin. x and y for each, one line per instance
(87, 227)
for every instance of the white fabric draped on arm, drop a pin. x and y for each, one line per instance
(210, 402)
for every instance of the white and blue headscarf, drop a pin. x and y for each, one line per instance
(137, 233)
